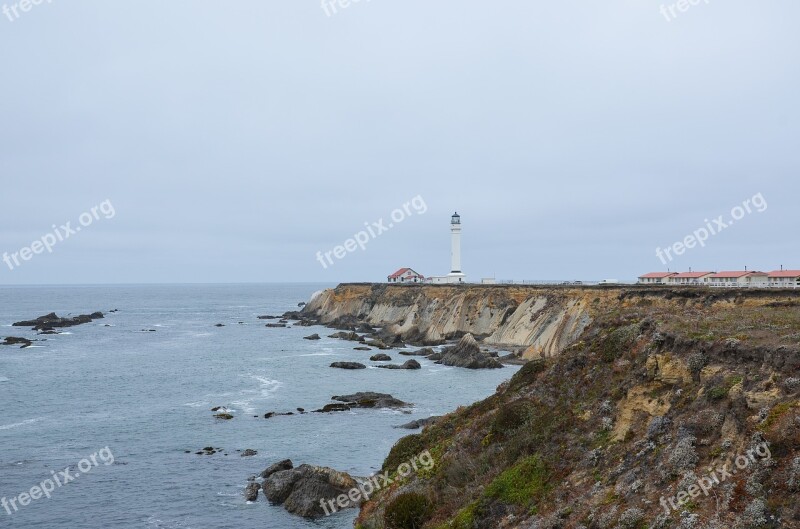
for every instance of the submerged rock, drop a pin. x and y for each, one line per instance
(467, 353)
(249, 453)
(275, 325)
(314, 336)
(381, 358)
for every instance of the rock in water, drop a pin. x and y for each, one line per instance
(348, 365)
(251, 491)
(419, 423)
(286, 464)
(300, 490)
(467, 353)
(410, 364)
(371, 400)
(312, 337)
(51, 321)
(249, 453)
(425, 351)
(13, 340)
(381, 358)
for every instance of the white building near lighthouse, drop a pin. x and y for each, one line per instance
(456, 275)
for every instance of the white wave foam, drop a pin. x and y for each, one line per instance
(18, 424)
(268, 387)
(3, 379)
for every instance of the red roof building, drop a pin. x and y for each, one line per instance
(406, 275)
(784, 278)
(690, 278)
(739, 278)
(656, 278)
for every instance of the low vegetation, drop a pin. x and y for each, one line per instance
(649, 398)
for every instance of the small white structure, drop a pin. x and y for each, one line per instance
(455, 275)
(784, 278)
(739, 278)
(690, 278)
(655, 278)
(406, 275)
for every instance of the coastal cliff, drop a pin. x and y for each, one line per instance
(542, 320)
(646, 408)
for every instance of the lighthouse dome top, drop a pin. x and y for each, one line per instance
(456, 218)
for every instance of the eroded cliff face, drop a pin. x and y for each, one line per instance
(542, 320)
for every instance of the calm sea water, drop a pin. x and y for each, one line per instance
(147, 397)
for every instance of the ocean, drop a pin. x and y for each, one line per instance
(113, 389)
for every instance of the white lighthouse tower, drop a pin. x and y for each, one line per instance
(455, 275)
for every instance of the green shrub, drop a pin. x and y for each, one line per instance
(616, 343)
(408, 511)
(720, 392)
(522, 484)
(509, 418)
(527, 374)
(404, 451)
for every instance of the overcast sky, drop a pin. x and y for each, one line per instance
(235, 140)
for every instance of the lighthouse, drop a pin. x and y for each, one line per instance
(455, 275)
(455, 244)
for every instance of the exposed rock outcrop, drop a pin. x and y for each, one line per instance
(53, 321)
(419, 423)
(13, 340)
(301, 490)
(370, 399)
(348, 365)
(409, 364)
(467, 353)
(544, 320)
